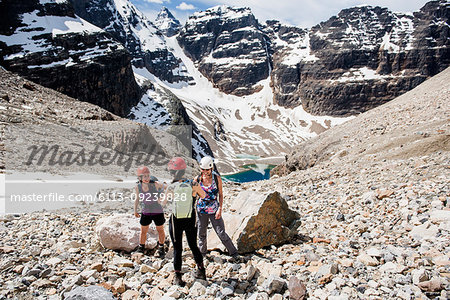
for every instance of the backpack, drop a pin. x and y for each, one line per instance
(182, 202)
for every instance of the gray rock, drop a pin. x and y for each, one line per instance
(25, 281)
(70, 282)
(45, 273)
(311, 256)
(89, 293)
(34, 272)
(388, 257)
(259, 296)
(325, 270)
(340, 217)
(251, 270)
(35, 250)
(419, 275)
(91, 281)
(88, 274)
(274, 284)
(227, 291)
(197, 289)
(173, 292)
(297, 290)
(425, 231)
(402, 279)
(374, 252)
(121, 232)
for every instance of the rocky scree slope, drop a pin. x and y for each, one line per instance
(371, 228)
(414, 124)
(373, 197)
(35, 115)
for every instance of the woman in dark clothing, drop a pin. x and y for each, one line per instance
(181, 193)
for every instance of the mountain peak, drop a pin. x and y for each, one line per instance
(165, 13)
(222, 12)
(225, 9)
(166, 22)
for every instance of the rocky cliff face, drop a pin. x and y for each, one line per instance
(46, 42)
(228, 47)
(140, 37)
(359, 59)
(289, 45)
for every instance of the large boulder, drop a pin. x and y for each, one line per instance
(89, 293)
(121, 232)
(255, 220)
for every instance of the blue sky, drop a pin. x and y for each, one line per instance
(303, 13)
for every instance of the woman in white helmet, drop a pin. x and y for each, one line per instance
(209, 208)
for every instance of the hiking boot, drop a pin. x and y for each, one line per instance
(234, 259)
(200, 273)
(160, 250)
(140, 249)
(178, 280)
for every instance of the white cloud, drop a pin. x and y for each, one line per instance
(151, 14)
(185, 6)
(157, 1)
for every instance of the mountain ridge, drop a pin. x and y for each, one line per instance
(49, 44)
(269, 74)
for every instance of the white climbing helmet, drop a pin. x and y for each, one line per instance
(206, 162)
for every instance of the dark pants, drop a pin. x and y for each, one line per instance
(219, 228)
(176, 228)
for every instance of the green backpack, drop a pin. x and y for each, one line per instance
(182, 202)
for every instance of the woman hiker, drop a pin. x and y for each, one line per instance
(181, 193)
(209, 208)
(148, 193)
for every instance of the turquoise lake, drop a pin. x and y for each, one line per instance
(253, 172)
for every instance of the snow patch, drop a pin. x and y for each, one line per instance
(52, 1)
(361, 75)
(76, 26)
(41, 25)
(299, 51)
(53, 64)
